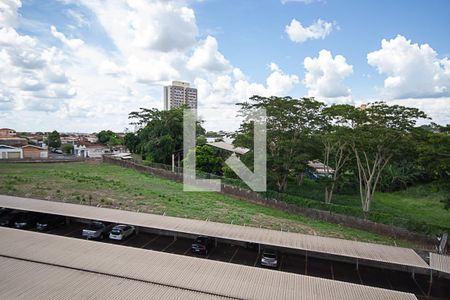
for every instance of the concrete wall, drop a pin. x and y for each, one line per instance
(7, 153)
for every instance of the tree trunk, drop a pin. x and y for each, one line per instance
(300, 178)
(367, 199)
(329, 193)
(282, 183)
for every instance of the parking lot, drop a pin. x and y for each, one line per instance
(293, 263)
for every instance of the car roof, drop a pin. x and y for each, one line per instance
(120, 226)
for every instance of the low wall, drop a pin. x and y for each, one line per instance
(253, 197)
(43, 160)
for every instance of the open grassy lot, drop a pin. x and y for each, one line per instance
(113, 186)
(417, 208)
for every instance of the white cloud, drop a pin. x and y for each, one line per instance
(325, 76)
(31, 74)
(206, 57)
(72, 43)
(157, 25)
(8, 12)
(76, 85)
(317, 30)
(232, 88)
(433, 107)
(413, 71)
(79, 18)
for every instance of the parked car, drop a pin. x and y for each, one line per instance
(25, 220)
(8, 218)
(97, 230)
(202, 245)
(121, 232)
(269, 258)
(47, 222)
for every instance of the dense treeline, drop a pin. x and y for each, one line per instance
(160, 134)
(368, 148)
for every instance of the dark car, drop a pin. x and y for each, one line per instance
(26, 220)
(8, 218)
(202, 245)
(47, 222)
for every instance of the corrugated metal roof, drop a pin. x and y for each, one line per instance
(21, 279)
(206, 276)
(334, 246)
(440, 263)
(228, 147)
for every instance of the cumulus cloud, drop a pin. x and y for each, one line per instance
(208, 58)
(31, 73)
(8, 12)
(235, 87)
(412, 70)
(72, 43)
(157, 25)
(433, 107)
(95, 87)
(325, 75)
(317, 30)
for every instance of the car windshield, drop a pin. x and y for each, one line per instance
(96, 226)
(270, 255)
(116, 232)
(200, 241)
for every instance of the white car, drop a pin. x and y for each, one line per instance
(121, 232)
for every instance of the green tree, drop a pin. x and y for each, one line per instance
(379, 131)
(105, 136)
(209, 160)
(291, 124)
(67, 148)
(433, 153)
(54, 139)
(131, 141)
(161, 134)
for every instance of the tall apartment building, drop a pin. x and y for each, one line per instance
(179, 93)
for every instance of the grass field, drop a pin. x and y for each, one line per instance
(113, 186)
(418, 208)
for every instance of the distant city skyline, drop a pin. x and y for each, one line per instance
(85, 65)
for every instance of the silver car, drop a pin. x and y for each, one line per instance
(121, 232)
(97, 230)
(269, 258)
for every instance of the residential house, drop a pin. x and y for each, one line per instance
(80, 151)
(318, 169)
(7, 132)
(89, 150)
(9, 152)
(34, 152)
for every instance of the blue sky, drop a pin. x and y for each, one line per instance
(363, 24)
(84, 65)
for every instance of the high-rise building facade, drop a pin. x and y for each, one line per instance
(178, 94)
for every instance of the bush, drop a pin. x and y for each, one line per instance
(67, 148)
